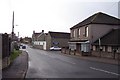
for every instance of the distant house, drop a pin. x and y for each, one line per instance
(38, 40)
(85, 33)
(27, 40)
(13, 37)
(59, 39)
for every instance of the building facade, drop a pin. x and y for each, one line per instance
(91, 29)
(59, 39)
(39, 40)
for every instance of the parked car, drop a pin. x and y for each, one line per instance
(23, 47)
(56, 48)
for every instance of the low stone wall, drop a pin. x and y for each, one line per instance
(70, 52)
(93, 53)
(106, 54)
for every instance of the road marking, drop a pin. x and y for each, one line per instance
(104, 71)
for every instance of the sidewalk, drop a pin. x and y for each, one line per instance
(97, 59)
(18, 68)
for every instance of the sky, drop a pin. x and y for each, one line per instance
(50, 15)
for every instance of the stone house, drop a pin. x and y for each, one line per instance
(38, 40)
(27, 40)
(85, 33)
(59, 39)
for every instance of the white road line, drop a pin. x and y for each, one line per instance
(104, 71)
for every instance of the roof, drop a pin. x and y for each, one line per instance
(59, 35)
(99, 18)
(36, 34)
(112, 38)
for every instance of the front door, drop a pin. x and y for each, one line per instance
(78, 48)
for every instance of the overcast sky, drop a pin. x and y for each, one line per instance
(50, 15)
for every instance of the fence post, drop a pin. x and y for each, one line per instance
(69, 51)
(114, 51)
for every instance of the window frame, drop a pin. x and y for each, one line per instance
(86, 31)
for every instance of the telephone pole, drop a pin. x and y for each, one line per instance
(13, 26)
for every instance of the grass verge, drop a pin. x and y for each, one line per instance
(14, 54)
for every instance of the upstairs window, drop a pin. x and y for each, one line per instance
(73, 33)
(78, 32)
(86, 31)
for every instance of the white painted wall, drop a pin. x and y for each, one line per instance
(41, 43)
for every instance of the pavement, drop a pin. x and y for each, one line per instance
(97, 59)
(17, 68)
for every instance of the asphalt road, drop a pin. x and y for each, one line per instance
(53, 64)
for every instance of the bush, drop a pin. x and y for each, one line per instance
(14, 54)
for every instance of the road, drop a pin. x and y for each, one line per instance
(53, 64)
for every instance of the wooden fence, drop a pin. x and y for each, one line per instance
(6, 45)
(5, 49)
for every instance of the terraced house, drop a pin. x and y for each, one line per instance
(59, 39)
(92, 29)
(47, 40)
(39, 40)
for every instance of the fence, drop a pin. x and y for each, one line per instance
(5, 49)
(6, 45)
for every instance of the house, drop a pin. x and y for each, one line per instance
(38, 40)
(59, 39)
(27, 40)
(91, 29)
(13, 37)
(109, 43)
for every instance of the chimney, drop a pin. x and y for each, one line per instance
(33, 31)
(42, 31)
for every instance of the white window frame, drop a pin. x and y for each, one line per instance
(74, 33)
(79, 32)
(86, 31)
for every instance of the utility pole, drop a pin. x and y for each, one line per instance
(13, 26)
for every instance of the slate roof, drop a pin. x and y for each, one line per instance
(112, 38)
(35, 36)
(98, 18)
(59, 35)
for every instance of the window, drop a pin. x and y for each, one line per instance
(86, 31)
(94, 48)
(73, 33)
(78, 32)
(109, 49)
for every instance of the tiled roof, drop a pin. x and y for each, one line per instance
(112, 38)
(59, 35)
(98, 18)
(36, 34)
